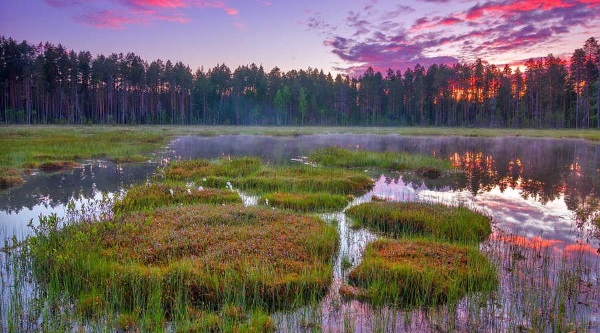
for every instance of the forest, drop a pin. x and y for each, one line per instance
(49, 84)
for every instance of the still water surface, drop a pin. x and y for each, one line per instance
(540, 193)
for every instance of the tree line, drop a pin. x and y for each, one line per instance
(49, 84)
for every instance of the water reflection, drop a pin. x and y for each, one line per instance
(543, 170)
(51, 193)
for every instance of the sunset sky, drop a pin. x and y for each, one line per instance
(334, 35)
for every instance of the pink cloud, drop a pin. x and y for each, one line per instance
(158, 3)
(106, 19)
(136, 11)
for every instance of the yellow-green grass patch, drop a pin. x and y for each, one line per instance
(457, 224)
(249, 175)
(339, 157)
(306, 202)
(150, 196)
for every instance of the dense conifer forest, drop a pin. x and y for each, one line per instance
(49, 84)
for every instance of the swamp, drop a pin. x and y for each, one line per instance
(302, 232)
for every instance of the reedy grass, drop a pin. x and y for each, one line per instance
(306, 202)
(31, 146)
(414, 273)
(455, 224)
(201, 255)
(339, 157)
(148, 197)
(248, 174)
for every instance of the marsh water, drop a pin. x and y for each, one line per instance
(542, 196)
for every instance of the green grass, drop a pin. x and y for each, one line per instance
(457, 224)
(32, 146)
(170, 131)
(199, 255)
(151, 196)
(419, 273)
(306, 202)
(249, 175)
(224, 168)
(339, 157)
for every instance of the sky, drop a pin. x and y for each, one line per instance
(338, 36)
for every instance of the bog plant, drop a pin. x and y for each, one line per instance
(200, 255)
(339, 157)
(419, 272)
(249, 174)
(147, 197)
(456, 224)
(306, 202)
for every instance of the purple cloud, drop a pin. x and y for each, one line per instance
(489, 29)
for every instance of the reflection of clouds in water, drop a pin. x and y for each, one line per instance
(546, 225)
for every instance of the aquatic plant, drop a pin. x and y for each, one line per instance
(150, 196)
(9, 178)
(306, 202)
(457, 224)
(419, 272)
(200, 255)
(198, 170)
(248, 175)
(339, 157)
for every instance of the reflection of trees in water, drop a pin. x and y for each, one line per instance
(58, 189)
(542, 170)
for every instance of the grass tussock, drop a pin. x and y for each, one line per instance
(306, 202)
(204, 255)
(339, 157)
(249, 175)
(456, 224)
(421, 272)
(10, 178)
(150, 196)
(200, 169)
(54, 166)
(231, 318)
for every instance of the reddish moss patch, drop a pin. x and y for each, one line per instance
(207, 254)
(10, 178)
(58, 166)
(413, 273)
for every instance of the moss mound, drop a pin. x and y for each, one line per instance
(307, 202)
(457, 224)
(149, 197)
(203, 254)
(415, 273)
(10, 178)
